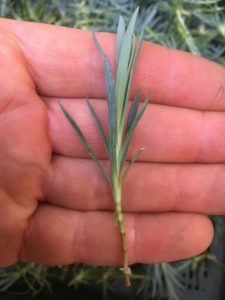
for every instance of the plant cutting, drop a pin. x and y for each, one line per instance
(122, 120)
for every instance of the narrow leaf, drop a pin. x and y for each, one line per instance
(109, 81)
(130, 132)
(98, 124)
(133, 110)
(84, 142)
(131, 71)
(120, 35)
(111, 101)
(98, 45)
(113, 133)
(130, 63)
(137, 50)
(129, 165)
(122, 70)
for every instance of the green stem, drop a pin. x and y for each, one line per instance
(120, 222)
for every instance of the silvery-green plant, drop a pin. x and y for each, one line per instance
(122, 120)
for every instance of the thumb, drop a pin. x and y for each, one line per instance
(24, 147)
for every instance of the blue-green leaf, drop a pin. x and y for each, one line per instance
(122, 74)
(84, 142)
(120, 36)
(133, 110)
(134, 158)
(110, 93)
(98, 124)
(131, 68)
(130, 132)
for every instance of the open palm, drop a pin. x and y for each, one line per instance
(56, 207)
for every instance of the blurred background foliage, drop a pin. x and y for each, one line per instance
(197, 26)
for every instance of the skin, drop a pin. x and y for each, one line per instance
(55, 206)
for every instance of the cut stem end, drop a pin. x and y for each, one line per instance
(127, 274)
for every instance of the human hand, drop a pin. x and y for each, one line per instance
(56, 207)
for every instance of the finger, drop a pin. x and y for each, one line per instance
(77, 184)
(168, 134)
(59, 236)
(74, 68)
